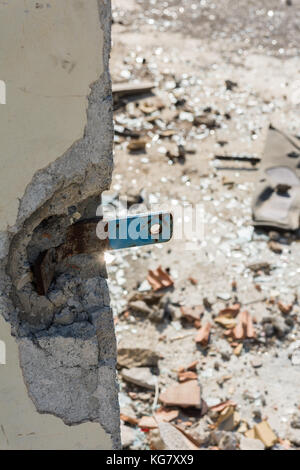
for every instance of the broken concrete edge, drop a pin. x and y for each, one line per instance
(84, 170)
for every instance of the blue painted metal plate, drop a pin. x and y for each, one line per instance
(139, 230)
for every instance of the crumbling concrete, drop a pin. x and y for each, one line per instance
(57, 159)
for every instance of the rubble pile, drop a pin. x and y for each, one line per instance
(207, 326)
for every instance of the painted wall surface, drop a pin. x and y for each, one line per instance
(49, 56)
(21, 427)
(56, 138)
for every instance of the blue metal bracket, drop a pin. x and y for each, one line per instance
(139, 230)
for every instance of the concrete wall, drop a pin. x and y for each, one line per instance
(56, 159)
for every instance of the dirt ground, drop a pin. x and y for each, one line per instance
(237, 67)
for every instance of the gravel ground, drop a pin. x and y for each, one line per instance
(239, 68)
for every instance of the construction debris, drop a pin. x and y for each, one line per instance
(132, 88)
(192, 313)
(264, 433)
(174, 439)
(223, 311)
(183, 395)
(244, 328)
(159, 279)
(134, 353)
(187, 375)
(141, 376)
(203, 335)
(251, 444)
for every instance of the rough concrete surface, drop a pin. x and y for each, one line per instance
(66, 337)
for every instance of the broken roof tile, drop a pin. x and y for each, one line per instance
(203, 334)
(244, 329)
(231, 311)
(193, 313)
(184, 376)
(159, 279)
(285, 309)
(183, 395)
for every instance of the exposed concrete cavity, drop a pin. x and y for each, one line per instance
(66, 338)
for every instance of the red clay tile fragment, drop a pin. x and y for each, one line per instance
(222, 406)
(147, 422)
(192, 313)
(285, 309)
(232, 311)
(203, 334)
(187, 375)
(250, 328)
(183, 395)
(128, 419)
(192, 365)
(164, 415)
(244, 328)
(159, 279)
(161, 416)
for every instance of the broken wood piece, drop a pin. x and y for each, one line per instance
(130, 88)
(238, 349)
(136, 145)
(264, 433)
(252, 160)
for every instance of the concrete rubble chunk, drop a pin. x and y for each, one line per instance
(140, 306)
(141, 376)
(127, 436)
(295, 422)
(224, 440)
(128, 415)
(147, 422)
(174, 439)
(251, 444)
(136, 352)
